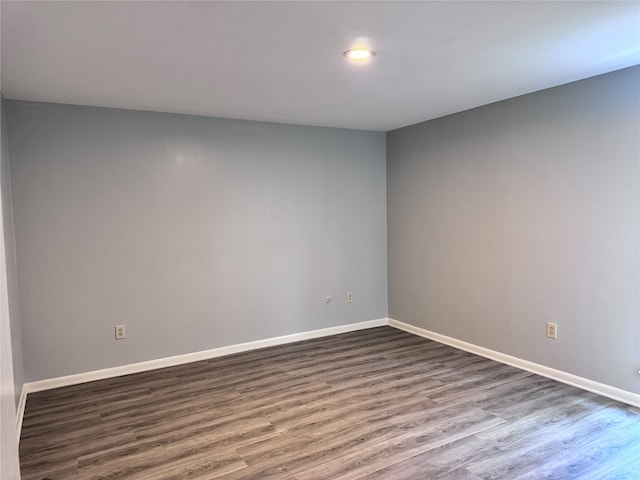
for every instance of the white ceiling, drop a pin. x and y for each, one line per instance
(282, 61)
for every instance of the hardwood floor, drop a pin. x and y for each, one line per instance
(376, 404)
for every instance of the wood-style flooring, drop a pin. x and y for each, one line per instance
(375, 404)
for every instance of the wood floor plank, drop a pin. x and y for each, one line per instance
(371, 405)
(419, 468)
(358, 462)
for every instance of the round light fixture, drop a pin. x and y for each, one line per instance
(359, 54)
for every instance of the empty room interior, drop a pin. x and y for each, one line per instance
(320, 240)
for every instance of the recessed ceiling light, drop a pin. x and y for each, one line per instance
(359, 54)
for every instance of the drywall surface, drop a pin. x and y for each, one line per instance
(193, 232)
(523, 212)
(13, 303)
(9, 465)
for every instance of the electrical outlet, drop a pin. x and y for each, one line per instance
(121, 333)
(349, 297)
(552, 330)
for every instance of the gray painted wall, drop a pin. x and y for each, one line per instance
(9, 466)
(525, 211)
(194, 232)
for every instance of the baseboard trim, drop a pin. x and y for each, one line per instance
(558, 375)
(564, 377)
(75, 379)
(22, 403)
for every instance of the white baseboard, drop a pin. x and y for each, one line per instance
(22, 403)
(564, 377)
(67, 380)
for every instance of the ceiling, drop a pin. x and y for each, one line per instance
(282, 61)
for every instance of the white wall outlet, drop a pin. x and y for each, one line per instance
(552, 330)
(349, 297)
(121, 333)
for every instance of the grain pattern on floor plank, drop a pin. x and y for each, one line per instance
(370, 405)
